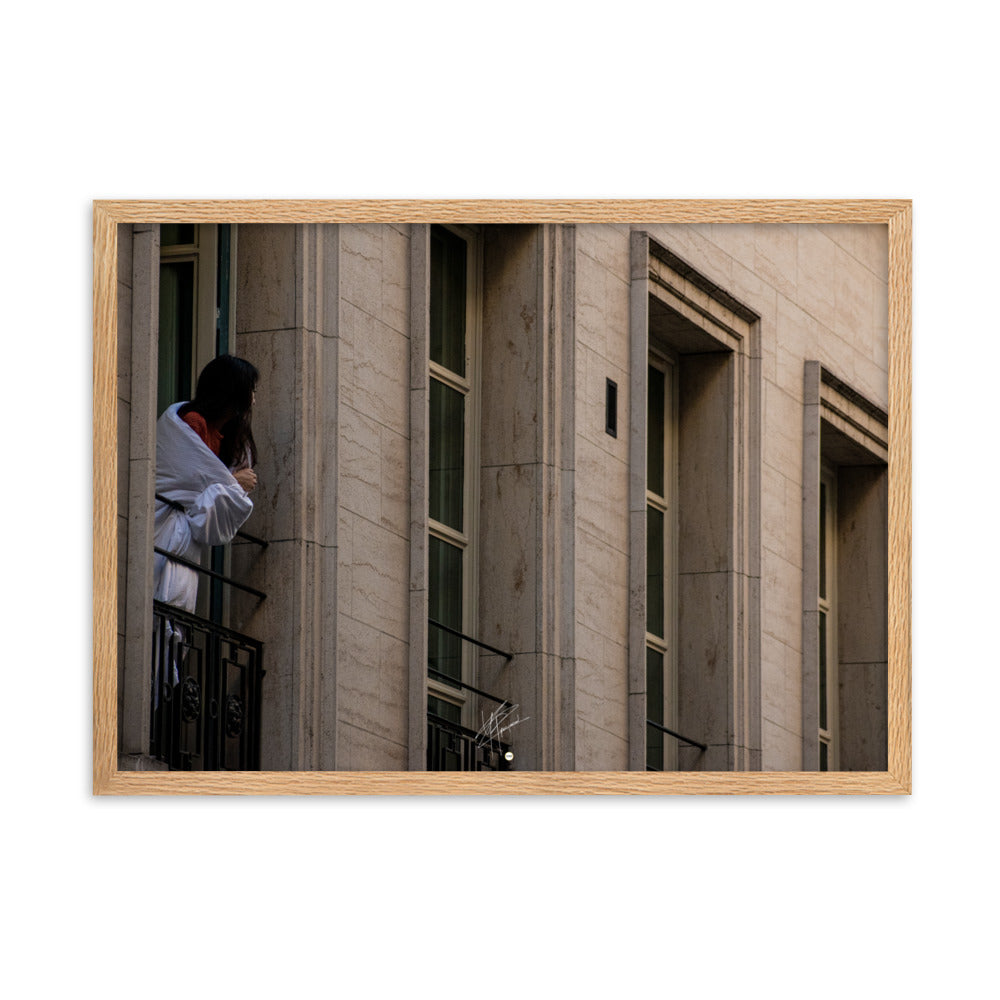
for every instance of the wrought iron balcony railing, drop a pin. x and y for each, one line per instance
(206, 680)
(654, 744)
(454, 747)
(206, 694)
(451, 747)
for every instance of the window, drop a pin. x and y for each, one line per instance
(190, 269)
(195, 309)
(845, 577)
(694, 652)
(661, 684)
(453, 467)
(827, 688)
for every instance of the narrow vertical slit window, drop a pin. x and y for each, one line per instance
(611, 408)
(661, 699)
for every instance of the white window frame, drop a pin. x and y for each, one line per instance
(467, 539)
(666, 362)
(203, 252)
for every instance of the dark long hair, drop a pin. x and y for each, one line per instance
(224, 397)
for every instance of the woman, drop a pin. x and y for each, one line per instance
(205, 453)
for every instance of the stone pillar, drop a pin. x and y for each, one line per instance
(863, 595)
(811, 463)
(287, 325)
(525, 599)
(373, 502)
(139, 266)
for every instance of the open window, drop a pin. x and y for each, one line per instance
(196, 266)
(189, 685)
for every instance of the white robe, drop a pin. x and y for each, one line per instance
(215, 505)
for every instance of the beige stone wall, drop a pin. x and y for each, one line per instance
(601, 535)
(821, 292)
(322, 312)
(372, 616)
(325, 314)
(125, 280)
(287, 324)
(510, 584)
(138, 289)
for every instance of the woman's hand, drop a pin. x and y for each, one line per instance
(247, 478)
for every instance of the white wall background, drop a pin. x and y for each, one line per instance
(695, 897)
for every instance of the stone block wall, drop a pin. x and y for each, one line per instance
(601, 536)
(821, 293)
(374, 498)
(325, 312)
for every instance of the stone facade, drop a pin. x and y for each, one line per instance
(761, 323)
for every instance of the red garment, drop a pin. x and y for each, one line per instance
(211, 435)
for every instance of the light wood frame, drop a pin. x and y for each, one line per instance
(895, 214)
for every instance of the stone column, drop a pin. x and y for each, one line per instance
(287, 325)
(139, 296)
(525, 566)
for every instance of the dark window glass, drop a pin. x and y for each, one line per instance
(654, 571)
(447, 710)
(444, 581)
(447, 454)
(822, 540)
(611, 408)
(655, 428)
(654, 708)
(822, 672)
(448, 285)
(173, 234)
(176, 341)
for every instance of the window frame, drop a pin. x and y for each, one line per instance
(827, 611)
(203, 253)
(843, 433)
(665, 645)
(208, 340)
(672, 304)
(466, 540)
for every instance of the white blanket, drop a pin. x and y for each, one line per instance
(215, 505)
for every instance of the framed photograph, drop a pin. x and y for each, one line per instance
(488, 497)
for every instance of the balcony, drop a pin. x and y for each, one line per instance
(450, 745)
(206, 694)
(655, 732)
(206, 681)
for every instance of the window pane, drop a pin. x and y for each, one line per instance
(654, 571)
(822, 672)
(654, 431)
(447, 454)
(444, 581)
(654, 708)
(447, 710)
(176, 343)
(174, 234)
(448, 285)
(824, 757)
(822, 540)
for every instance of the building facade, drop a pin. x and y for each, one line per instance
(541, 497)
